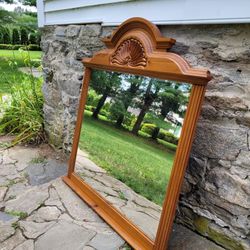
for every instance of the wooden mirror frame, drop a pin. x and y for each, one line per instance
(137, 47)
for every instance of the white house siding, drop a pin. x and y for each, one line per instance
(111, 12)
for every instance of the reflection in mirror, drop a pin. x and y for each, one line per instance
(129, 136)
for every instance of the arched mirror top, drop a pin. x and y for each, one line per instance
(138, 47)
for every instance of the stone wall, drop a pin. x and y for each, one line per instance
(215, 199)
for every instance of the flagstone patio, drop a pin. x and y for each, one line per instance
(38, 211)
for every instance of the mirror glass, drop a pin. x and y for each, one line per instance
(128, 140)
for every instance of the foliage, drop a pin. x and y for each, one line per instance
(6, 17)
(4, 35)
(29, 2)
(92, 98)
(24, 36)
(151, 117)
(10, 60)
(129, 120)
(32, 47)
(149, 96)
(20, 214)
(125, 97)
(156, 132)
(167, 136)
(170, 146)
(15, 36)
(148, 128)
(10, 19)
(142, 164)
(104, 83)
(89, 108)
(172, 99)
(22, 115)
(32, 38)
(6, 1)
(116, 110)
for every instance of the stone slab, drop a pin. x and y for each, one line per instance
(27, 245)
(74, 205)
(32, 229)
(44, 172)
(29, 200)
(64, 236)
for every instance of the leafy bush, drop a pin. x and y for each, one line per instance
(90, 108)
(116, 109)
(167, 136)
(106, 106)
(24, 36)
(34, 47)
(6, 46)
(129, 119)
(93, 98)
(16, 47)
(104, 112)
(6, 36)
(15, 36)
(19, 46)
(32, 38)
(155, 133)
(148, 128)
(158, 121)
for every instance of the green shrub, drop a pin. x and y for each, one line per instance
(6, 36)
(158, 121)
(24, 36)
(106, 106)
(15, 36)
(148, 128)
(168, 136)
(16, 47)
(155, 133)
(116, 110)
(6, 46)
(129, 119)
(104, 112)
(93, 98)
(90, 108)
(32, 38)
(20, 46)
(34, 47)
(168, 145)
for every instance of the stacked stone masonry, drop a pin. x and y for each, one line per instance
(215, 198)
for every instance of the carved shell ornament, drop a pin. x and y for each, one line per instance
(131, 53)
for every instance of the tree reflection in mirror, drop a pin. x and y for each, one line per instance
(128, 140)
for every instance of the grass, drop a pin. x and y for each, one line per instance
(10, 61)
(142, 164)
(18, 55)
(20, 214)
(39, 159)
(21, 97)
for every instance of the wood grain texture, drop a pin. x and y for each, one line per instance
(131, 53)
(137, 47)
